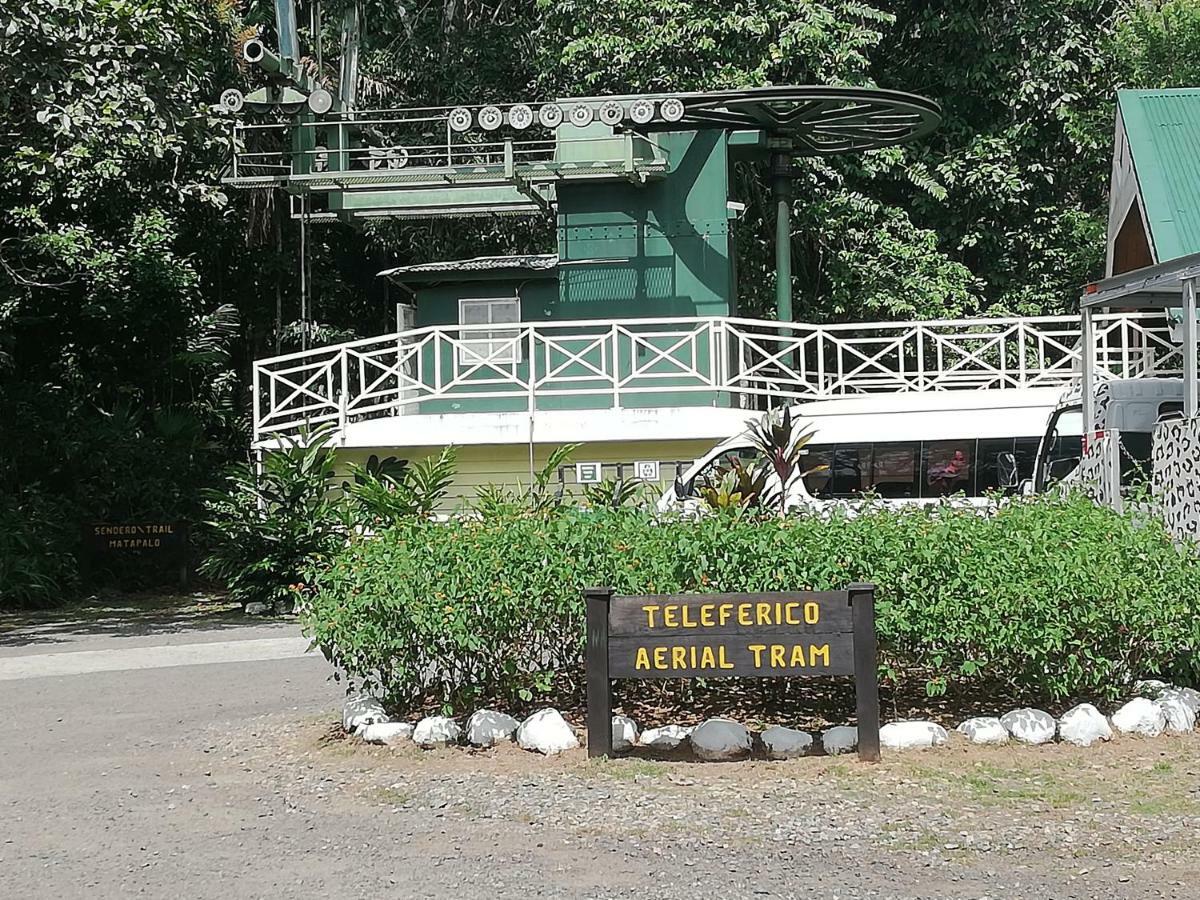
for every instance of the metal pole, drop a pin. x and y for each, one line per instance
(1191, 380)
(303, 273)
(781, 192)
(1087, 350)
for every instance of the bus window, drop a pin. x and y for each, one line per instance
(947, 467)
(818, 483)
(850, 472)
(994, 470)
(894, 470)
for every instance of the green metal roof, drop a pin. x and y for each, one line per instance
(1163, 128)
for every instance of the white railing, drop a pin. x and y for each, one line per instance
(684, 362)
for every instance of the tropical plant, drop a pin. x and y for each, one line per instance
(269, 528)
(383, 493)
(780, 443)
(611, 493)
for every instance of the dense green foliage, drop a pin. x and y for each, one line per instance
(1055, 597)
(268, 530)
(134, 290)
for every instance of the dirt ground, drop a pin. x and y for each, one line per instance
(230, 780)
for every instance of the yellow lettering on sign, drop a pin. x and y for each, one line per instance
(724, 612)
(660, 657)
(744, 610)
(757, 650)
(707, 659)
(669, 620)
(685, 621)
(798, 656)
(812, 612)
(723, 662)
(679, 657)
(821, 653)
(764, 613)
(650, 611)
(642, 660)
(788, 608)
(777, 654)
(706, 618)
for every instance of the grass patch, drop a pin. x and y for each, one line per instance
(626, 769)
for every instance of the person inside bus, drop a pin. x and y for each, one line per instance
(954, 475)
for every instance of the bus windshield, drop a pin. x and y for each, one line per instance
(1062, 447)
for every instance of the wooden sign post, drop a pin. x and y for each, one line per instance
(768, 635)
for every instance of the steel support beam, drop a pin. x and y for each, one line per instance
(1191, 380)
(781, 194)
(1087, 352)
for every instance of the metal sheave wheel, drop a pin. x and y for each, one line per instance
(550, 115)
(520, 116)
(320, 101)
(460, 118)
(611, 112)
(671, 109)
(490, 118)
(232, 100)
(581, 115)
(641, 111)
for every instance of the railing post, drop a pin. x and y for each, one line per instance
(343, 398)
(257, 405)
(616, 364)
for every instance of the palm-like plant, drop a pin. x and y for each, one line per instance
(780, 441)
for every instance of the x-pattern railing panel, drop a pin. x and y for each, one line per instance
(397, 374)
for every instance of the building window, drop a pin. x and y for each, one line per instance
(500, 346)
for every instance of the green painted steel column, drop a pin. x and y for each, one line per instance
(781, 192)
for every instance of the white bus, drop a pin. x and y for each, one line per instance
(905, 447)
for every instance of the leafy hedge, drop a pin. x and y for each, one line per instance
(1055, 596)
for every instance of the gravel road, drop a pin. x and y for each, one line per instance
(226, 779)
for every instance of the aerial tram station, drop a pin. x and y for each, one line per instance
(626, 335)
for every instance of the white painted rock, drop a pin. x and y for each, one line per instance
(386, 733)
(1030, 726)
(624, 733)
(1187, 696)
(669, 737)
(840, 739)
(436, 731)
(912, 735)
(254, 608)
(360, 711)
(785, 743)
(1179, 716)
(1083, 725)
(717, 740)
(984, 730)
(1140, 716)
(546, 732)
(487, 727)
(1150, 687)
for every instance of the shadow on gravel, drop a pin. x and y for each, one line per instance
(125, 616)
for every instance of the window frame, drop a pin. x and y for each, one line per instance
(477, 347)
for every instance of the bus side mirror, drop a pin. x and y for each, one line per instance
(680, 493)
(1006, 469)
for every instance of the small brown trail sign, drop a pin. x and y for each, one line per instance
(766, 635)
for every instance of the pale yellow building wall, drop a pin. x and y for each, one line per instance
(508, 464)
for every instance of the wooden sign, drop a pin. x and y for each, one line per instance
(766, 635)
(116, 543)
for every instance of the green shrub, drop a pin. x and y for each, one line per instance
(267, 530)
(1055, 597)
(39, 538)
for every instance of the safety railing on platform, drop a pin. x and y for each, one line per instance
(685, 362)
